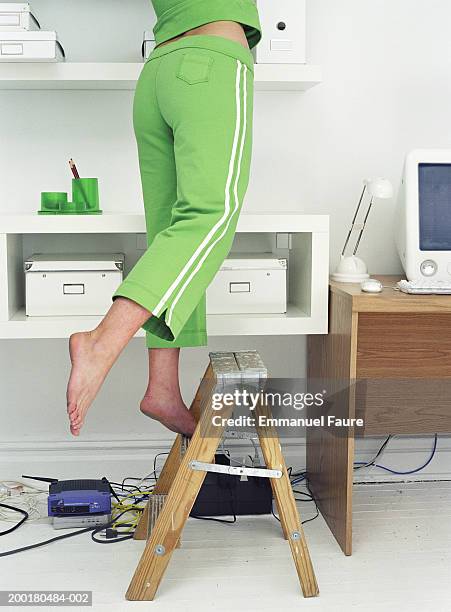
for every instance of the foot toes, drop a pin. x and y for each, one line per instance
(71, 407)
(74, 416)
(76, 422)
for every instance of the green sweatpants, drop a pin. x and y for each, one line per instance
(193, 124)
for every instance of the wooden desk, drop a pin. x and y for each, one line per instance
(386, 359)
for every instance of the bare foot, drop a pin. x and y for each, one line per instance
(90, 365)
(171, 413)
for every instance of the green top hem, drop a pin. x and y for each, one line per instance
(189, 14)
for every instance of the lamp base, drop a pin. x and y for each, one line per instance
(351, 269)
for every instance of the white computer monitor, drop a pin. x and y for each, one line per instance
(423, 233)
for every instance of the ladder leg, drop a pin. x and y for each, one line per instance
(282, 523)
(286, 504)
(171, 465)
(176, 509)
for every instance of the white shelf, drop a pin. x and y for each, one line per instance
(118, 75)
(131, 223)
(308, 270)
(292, 323)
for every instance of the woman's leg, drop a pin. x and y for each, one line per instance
(162, 400)
(93, 354)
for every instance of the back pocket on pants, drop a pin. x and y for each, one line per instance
(195, 68)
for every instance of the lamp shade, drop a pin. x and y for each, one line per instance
(379, 188)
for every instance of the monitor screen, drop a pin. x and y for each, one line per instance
(434, 189)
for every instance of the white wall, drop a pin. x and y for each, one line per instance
(386, 89)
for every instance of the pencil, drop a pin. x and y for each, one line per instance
(73, 167)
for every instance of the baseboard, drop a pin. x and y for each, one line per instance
(118, 459)
(115, 459)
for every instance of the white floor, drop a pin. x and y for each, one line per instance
(401, 561)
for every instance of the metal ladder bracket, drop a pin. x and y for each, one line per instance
(233, 470)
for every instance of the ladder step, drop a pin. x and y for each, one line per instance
(251, 364)
(237, 368)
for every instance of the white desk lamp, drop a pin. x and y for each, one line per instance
(352, 269)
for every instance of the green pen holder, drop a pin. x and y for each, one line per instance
(85, 199)
(85, 195)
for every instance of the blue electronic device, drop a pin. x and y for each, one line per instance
(80, 497)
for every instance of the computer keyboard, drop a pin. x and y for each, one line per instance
(425, 287)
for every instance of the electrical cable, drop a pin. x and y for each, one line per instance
(64, 536)
(122, 485)
(112, 540)
(307, 484)
(309, 497)
(26, 500)
(362, 465)
(302, 477)
(21, 521)
(397, 473)
(217, 520)
(38, 544)
(139, 479)
(154, 473)
(21, 495)
(274, 515)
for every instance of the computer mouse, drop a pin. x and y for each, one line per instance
(372, 285)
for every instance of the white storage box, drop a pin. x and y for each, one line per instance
(148, 44)
(71, 284)
(38, 46)
(17, 16)
(284, 32)
(249, 284)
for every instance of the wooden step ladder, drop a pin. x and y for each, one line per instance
(179, 483)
